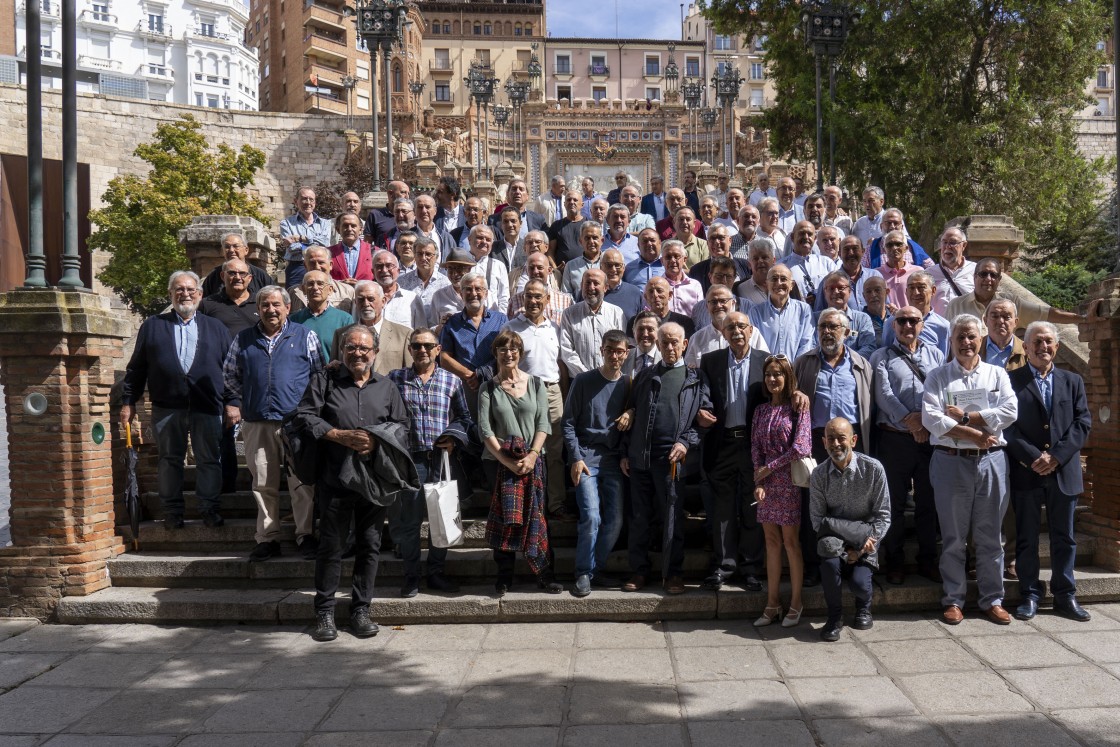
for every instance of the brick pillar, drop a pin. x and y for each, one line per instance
(62, 346)
(1102, 335)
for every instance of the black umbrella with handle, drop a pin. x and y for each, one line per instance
(131, 484)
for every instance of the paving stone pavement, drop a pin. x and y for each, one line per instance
(909, 680)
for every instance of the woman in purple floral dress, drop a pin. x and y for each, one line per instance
(774, 446)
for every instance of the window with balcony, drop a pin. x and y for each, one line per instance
(100, 12)
(564, 92)
(723, 43)
(442, 59)
(598, 65)
(155, 23)
(564, 65)
(756, 98)
(207, 29)
(653, 65)
(653, 94)
(1102, 78)
(598, 93)
(692, 67)
(443, 92)
(757, 71)
(483, 56)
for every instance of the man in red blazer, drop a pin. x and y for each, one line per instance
(351, 258)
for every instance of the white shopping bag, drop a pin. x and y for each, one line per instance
(445, 523)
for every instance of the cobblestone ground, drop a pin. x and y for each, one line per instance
(909, 680)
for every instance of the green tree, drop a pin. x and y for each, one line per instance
(951, 107)
(140, 223)
(1061, 285)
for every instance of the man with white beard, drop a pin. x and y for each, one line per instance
(401, 306)
(392, 338)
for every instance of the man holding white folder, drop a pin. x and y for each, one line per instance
(437, 407)
(966, 406)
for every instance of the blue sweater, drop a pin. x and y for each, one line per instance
(155, 364)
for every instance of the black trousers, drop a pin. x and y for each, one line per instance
(654, 497)
(337, 508)
(737, 539)
(906, 461)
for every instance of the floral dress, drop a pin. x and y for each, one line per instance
(770, 446)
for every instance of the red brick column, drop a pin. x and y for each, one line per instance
(1102, 335)
(62, 346)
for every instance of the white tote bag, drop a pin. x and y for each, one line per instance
(445, 523)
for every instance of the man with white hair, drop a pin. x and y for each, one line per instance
(588, 194)
(1044, 444)
(178, 357)
(633, 201)
(867, 228)
(265, 373)
(616, 232)
(807, 267)
(318, 315)
(401, 306)
(954, 274)
(761, 258)
(467, 335)
(392, 338)
(653, 204)
(583, 324)
(784, 322)
(647, 265)
(591, 239)
(834, 215)
(747, 224)
(538, 267)
(318, 258)
(302, 229)
(789, 212)
(912, 251)
(768, 211)
(404, 211)
(550, 204)
(966, 407)
(425, 280)
(426, 227)
(763, 190)
(686, 291)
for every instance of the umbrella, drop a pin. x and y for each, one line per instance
(672, 507)
(131, 485)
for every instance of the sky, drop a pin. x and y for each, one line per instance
(637, 19)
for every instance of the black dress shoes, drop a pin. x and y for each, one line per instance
(831, 630)
(1027, 609)
(751, 583)
(360, 624)
(1071, 610)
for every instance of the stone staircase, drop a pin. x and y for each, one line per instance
(201, 575)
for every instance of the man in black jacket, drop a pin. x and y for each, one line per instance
(1044, 445)
(337, 413)
(178, 356)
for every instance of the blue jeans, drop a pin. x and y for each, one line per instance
(599, 497)
(413, 509)
(172, 428)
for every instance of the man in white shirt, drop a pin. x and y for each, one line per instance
(763, 190)
(808, 269)
(761, 259)
(551, 204)
(789, 212)
(402, 306)
(954, 275)
(645, 352)
(591, 239)
(425, 279)
(966, 406)
(867, 227)
(834, 214)
(426, 209)
(497, 274)
(583, 325)
(768, 212)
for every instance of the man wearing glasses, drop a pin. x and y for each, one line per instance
(437, 410)
(837, 381)
(768, 212)
(919, 294)
(234, 247)
(953, 275)
(988, 275)
(178, 356)
(896, 270)
(900, 374)
(426, 278)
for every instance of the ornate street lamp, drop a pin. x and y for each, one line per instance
(416, 88)
(501, 117)
(380, 25)
(708, 117)
(726, 86)
(518, 93)
(826, 28)
(348, 83)
(480, 83)
(692, 89)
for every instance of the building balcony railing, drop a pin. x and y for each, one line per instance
(97, 19)
(441, 66)
(562, 69)
(98, 63)
(156, 32)
(326, 16)
(599, 71)
(205, 32)
(324, 103)
(45, 53)
(47, 8)
(448, 100)
(157, 72)
(326, 46)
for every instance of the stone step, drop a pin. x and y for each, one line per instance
(226, 569)
(522, 604)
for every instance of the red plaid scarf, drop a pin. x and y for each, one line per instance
(516, 522)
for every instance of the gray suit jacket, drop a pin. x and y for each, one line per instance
(809, 365)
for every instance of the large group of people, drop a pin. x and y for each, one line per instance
(811, 370)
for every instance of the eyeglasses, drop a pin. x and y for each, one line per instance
(907, 321)
(831, 327)
(989, 274)
(429, 346)
(238, 274)
(778, 357)
(357, 349)
(951, 242)
(895, 245)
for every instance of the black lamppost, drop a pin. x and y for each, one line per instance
(480, 83)
(416, 88)
(692, 89)
(708, 117)
(381, 24)
(501, 117)
(826, 27)
(518, 93)
(726, 86)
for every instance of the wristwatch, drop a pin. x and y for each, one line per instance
(965, 419)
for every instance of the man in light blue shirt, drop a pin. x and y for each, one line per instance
(935, 331)
(789, 212)
(648, 263)
(785, 323)
(302, 229)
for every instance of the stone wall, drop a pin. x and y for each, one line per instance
(1096, 138)
(300, 149)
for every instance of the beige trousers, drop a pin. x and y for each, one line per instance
(264, 453)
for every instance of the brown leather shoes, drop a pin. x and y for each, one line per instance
(998, 615)
(952, 615)
(674, 585)
(637, 582)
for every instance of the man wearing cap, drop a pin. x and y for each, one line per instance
(447, 300)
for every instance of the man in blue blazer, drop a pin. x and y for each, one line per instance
(1044, 446)
(178, 356)
(653, 203)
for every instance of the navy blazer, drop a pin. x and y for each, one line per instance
(713, 397)
(155, 364)
(1062, 433)
(649, 207)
